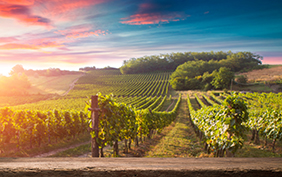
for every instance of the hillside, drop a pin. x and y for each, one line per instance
(52, 84)
(267, 79)
(264, 75)
(153, 106)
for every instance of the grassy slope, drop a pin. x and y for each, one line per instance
(267, 74)
(52, 84)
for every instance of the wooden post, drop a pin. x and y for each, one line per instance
(95, 127)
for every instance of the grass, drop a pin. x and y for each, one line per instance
(273, 66)
(272, 73)
(51, 84)
(251, 150)
(254, 88)
(180, 141)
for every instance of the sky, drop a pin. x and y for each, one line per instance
(69, 34)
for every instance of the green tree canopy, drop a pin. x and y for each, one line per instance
(169, 62)
(223, 78)
(204, 70)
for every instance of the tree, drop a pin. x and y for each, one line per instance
(223, 78)
(242, 79)
(17, 69)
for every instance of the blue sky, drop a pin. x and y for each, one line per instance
(70, 34)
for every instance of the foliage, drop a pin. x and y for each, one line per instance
(265, 115)
(117, 121)
(17, 84)
(39, 126)
(222, 125)
(200, 73)
(222, 78)
(17, 69)
(242, 79)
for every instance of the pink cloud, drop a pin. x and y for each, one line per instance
(145, 16)
(80, 31)
(35, 45)
(40, 12)
(22, 14)
(18, 2)
(7, 39)
(63, 9)
(150, 18)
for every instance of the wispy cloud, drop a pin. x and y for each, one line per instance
(80, 31)
(61, 10)
(44, 13)
(152, 18)
(18, 2)
(151, 14)
(23, 14)
(58, 39)
(15, 46)
(7, 39)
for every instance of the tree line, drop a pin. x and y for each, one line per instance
(18, 69)
(169, 62)
(18, 83)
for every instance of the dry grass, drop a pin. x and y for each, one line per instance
(264, 75)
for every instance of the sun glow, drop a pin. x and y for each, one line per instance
(5, 69)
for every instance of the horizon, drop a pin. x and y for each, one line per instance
(70, 34)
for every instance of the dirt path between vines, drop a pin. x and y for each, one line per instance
(170, 105)
(60, 150)
(72, 85)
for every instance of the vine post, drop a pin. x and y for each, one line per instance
(95, 122)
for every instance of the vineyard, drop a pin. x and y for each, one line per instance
(137, 99)
(135, 106)
(222, 122)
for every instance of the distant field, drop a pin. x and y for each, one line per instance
(52, 84)
(273, 73)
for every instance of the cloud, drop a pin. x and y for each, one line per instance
(43, 12)
(63, 9)
(80, 31)
(7, 39)
(15, 46)
(22, 14)
(206, 12)
(18, 2)
(152, 18)
(152, 14)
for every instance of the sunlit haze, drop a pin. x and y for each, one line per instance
(69, 34)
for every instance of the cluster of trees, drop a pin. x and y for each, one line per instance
(218, 79)
(15, 85)
(212, 74)
(18, 69)
(169, 62)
